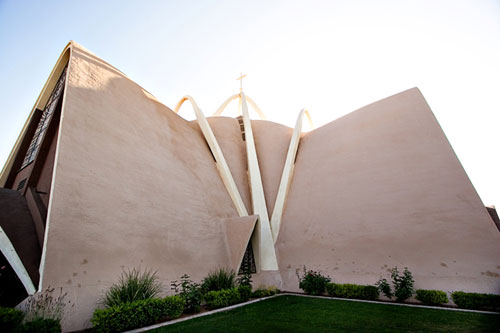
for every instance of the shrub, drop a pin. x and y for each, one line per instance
(10, 319)
(352, 291)
(245, 292)
(219, 279)
(133, 285)
(403, 285)
(190, 292)
(312, 282)
(264, 291)
(222, 298)
(476, 301)
(384, 287)
(431, 297)
(140, 313)
(38, 325)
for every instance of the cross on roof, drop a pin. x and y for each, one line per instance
(241, 80)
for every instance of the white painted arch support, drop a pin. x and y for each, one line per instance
(248, 99)
(287, 175)
(15, 262)
(263, 240)
(221, 163)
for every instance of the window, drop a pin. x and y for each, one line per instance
(45, 120)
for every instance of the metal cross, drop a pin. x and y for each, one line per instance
(241, 80)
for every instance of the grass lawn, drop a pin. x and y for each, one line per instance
(303, 314)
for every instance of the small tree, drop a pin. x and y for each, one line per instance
(190, 291)
(403, 285)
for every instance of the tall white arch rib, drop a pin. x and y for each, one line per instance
(287, 175)
(222, 166)
(15, 262)
(263, 240)
(249, 100)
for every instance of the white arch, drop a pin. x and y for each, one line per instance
(233, 97)
(222, 166)
(15, 262)
(287, 175)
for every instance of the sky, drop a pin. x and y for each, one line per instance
(331, 57)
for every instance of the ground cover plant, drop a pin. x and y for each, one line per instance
(303, 314)
(134, 285)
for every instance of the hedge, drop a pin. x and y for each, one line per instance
(476, 301)
(222, 298)
(265, 292)
(431, 297)
(352, 291)
(137, 314)
(37, 325)
(10, 319)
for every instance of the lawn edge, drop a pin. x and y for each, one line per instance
(208, 313)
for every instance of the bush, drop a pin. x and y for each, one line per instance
(133, 285)
(313, 282)
(41, 325)
(352, 291)
(264, 291)
(245, 292)
(10, 319)
(220, 279)
(476, 301)
(190, 292)
(385, 288)
(403, 285)
(222, 298)
(140, 313)
(431, 297)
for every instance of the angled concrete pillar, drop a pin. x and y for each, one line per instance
(263, 241)
(222, 166)
(287, 175)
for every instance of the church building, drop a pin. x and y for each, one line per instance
(104, 177)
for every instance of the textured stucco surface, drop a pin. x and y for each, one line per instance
(135, 186)
(382, 187)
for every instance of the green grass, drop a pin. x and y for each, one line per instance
(302, 314)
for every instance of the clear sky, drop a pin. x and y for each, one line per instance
(332, 57)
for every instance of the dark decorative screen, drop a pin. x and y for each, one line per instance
(45, 120)
(248, 262)
(21, 184)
